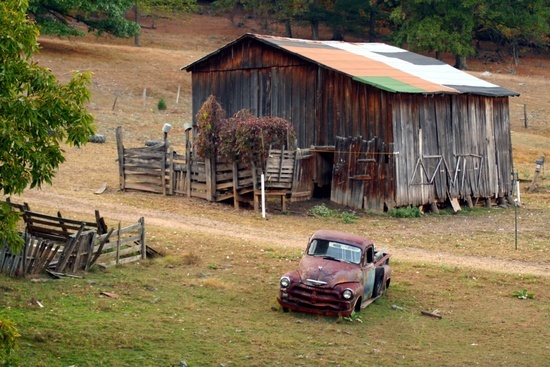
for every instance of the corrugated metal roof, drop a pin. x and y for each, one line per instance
(386, 67)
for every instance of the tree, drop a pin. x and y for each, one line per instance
(437, 26)
(54, 16)
(37, 114)
(516, 23)
(349, 16)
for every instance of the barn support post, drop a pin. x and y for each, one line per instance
(120, 151)
(469, 201)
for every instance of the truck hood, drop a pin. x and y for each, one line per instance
(332, 272)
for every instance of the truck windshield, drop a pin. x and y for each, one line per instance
(335, 250)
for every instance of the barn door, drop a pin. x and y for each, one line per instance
(350, 171)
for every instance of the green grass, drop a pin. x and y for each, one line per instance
(172, 309)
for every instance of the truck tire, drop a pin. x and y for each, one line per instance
(378, 283)
(97, 138)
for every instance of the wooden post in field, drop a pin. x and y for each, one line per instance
(539, 164)
(178, 95)
(114, 103)
(144, 98)
(120, 151)
(525, 116)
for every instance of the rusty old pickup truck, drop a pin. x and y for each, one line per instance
(339, 273)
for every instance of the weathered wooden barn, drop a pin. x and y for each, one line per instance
(389, 127)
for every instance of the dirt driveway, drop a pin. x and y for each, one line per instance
(185, 219)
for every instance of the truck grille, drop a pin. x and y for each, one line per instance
(316, 298)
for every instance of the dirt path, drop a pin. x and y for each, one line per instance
(179, 221)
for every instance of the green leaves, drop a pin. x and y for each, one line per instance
(53, 16)
(523, 294)
(37, 113)
(442, 26)
(9, 338)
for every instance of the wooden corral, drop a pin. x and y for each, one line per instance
(160, 169)
(432, 133)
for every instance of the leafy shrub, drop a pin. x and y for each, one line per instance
(161, 105)
(247, 138)
(321, 211)
(8, 343)
(209, 120)
(406, 212)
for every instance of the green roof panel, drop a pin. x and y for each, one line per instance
(389, 84)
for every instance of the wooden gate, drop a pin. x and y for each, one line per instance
(302, 181)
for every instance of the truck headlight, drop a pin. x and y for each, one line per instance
(284, 282)
(347, 294)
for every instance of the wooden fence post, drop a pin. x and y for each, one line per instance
(163, 169)
(118, 245)
(236, 196)
(188, 162)
(210, 171)
(120, 151)
(171, 171)
(142, 238)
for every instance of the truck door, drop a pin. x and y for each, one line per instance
(368, 273)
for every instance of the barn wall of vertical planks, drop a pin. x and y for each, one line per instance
(416, 131)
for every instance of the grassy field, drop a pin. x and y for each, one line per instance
(215, 306)
(211, 300)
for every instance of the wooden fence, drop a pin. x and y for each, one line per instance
(57, 245)
(161, 170)
(124, 245)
